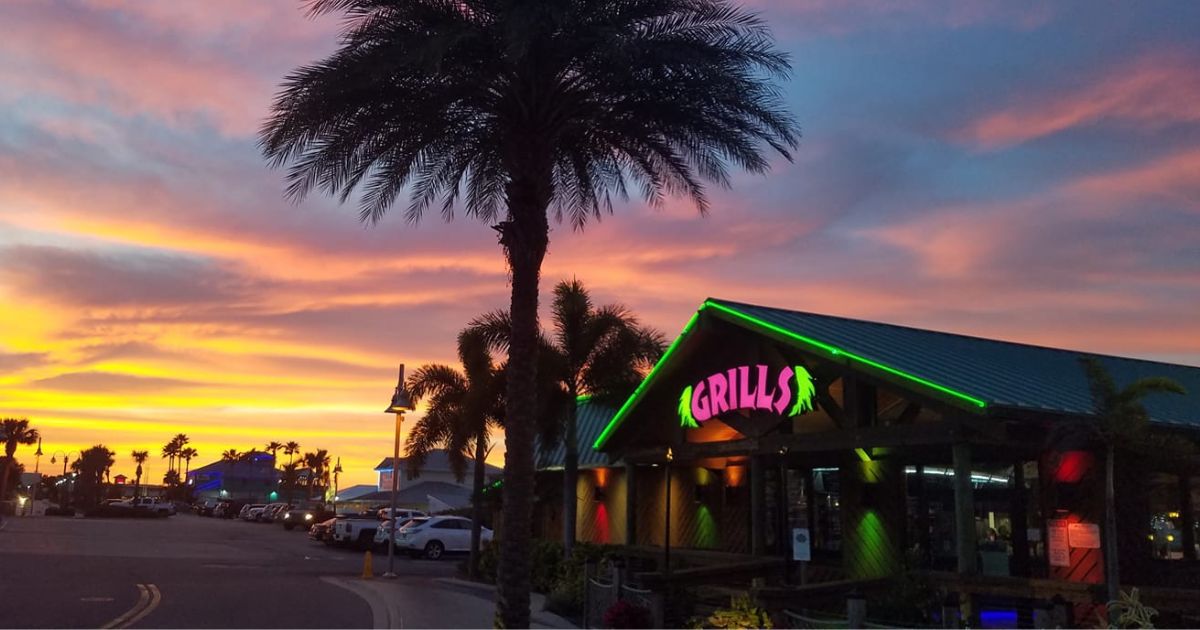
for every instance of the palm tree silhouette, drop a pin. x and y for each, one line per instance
(187, 454)
(290, 449)
(519, 107)
(273, 449)
(13, 432)
(140, 457)
(230, 455)
(463, 408)
(600, 351)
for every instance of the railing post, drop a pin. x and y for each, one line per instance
(950, 611)
(856, 609)
(619, 578)
(589, 570)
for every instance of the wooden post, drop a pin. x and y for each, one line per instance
(923, 519)
(758, 506)
(1188, 517)
(1020, 522)
(964, 510)
(630, 504)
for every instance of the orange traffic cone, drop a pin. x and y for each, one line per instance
(368, 572)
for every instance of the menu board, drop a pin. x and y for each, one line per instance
(1057, 547)
(1084, 535)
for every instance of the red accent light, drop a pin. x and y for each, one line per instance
(1073, 466)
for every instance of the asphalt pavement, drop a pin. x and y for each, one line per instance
(194, 572)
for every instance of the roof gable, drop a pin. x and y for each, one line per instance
(980, 375)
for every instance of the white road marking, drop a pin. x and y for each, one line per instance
(95, 599)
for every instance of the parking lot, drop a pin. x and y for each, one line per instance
(183, 571)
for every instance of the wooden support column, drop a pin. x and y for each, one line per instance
(964, 510)
(1018, 515)
(1188, 516)
(630, 504)
(758, 505)
(923, 519)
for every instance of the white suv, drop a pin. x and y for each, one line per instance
(434, 536)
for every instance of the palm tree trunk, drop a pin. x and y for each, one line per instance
(8, 460)
(137, 482)
(477, 503)
(524, 238)
(1112, 570)
(570, 477)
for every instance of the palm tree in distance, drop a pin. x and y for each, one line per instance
(230, 455)
(1123, 423)
(599, 351)
(93, 466)
(187, 454)
(463, 408)
(140, 457)
(318, 469)
(13, 432)
(289, 480)
(290, 449)
(169, 451)
(273, 448)
(518, 107)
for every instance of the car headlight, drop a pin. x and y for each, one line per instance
(287, 516)
(308, 517)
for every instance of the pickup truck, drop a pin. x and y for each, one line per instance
(356, 530)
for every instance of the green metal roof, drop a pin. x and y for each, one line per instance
(980, 375)
(591, 417)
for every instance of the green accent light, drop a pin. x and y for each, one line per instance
(638, 393)
(862, 455)
(582, 398)
(806, 390)
(834, 351)
(685, 409)
(706, 528)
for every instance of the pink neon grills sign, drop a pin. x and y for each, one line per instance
(747, 387)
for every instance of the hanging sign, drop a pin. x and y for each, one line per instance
(801, 545)
(789, 392)
(1056, 543)
(1084, 535)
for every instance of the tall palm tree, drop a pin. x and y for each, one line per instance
(187, 454)
(273, 449)
(289, 480)
(463, 408)
(93, 466)
(1123, 422)
(600, 351)
(290, 449)
(13, 432)
(518, 106)
(318, 469)
(140, 457)
(230, 455)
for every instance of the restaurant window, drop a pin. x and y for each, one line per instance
(827, 525)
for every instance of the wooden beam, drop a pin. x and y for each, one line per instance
(910, 413)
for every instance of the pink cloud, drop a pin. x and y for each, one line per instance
(841, 17)
(1151, 92)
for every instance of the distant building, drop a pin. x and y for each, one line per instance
(353, 492)
(435, 468)
(250, 479)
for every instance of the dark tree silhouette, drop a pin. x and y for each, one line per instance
(520, 109)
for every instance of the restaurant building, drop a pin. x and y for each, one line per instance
(764, 435)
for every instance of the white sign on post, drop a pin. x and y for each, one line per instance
(1084, 535)
(1056, 543)
(801, 544)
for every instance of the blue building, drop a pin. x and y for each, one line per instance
(251, 479)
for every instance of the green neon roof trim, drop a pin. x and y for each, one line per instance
(832, 350)
(641, 388)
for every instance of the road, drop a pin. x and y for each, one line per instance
(183, 572)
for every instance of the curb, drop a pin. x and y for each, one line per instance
(539, 616)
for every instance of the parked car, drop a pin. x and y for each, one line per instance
(250, 511)
(305, 517)
(403, 513)
(205, 507)
(268, 513)
(148, 505)
(228, 508)
(381, 533)
(434, 536)
(357, 530)
(323, 531)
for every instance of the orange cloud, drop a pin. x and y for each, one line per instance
(1152, 91)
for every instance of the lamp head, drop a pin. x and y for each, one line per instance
(401, 401)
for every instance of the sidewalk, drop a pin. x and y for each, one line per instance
(412, 602)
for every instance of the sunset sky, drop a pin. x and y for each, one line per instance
(991, 168)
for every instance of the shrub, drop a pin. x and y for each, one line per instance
(742, 613)
(624, 614)
(489, 559)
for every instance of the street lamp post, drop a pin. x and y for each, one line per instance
(37, 464)
(401, 402)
